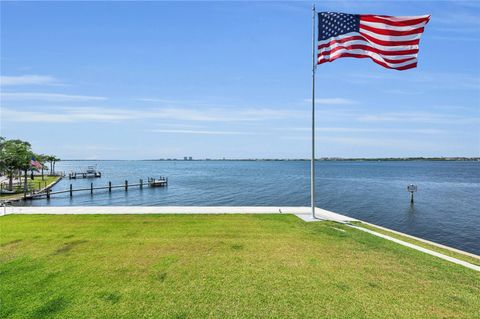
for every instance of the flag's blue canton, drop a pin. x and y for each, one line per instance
(332, 24)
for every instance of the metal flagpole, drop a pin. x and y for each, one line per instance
(312, 163)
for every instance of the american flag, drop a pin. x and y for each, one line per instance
(389, 41)
(35, 163)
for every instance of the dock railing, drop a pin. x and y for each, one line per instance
(162, 182)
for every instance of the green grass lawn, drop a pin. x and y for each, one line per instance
(219, 266)
(34, 184)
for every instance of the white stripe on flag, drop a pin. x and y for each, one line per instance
(385, 26)
(392, 38)
(366, 53)
(401, 19)
(370, 44)
(365, 42)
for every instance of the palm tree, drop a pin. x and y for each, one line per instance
(52, 159)
(42, 159)
(55, 160)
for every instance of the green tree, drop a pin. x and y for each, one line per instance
(2, 162)
(15, 155)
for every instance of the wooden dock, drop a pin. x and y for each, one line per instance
(75, 175)
(162, 181)
(91, 171)
(151, 182)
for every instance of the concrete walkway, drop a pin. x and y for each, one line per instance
(304, 213)
(419, 248)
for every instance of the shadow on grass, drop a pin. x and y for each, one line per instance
(48, 309)
(161, 276)
(237, 247)
(111, 297)
(11, 242)
(68, 246)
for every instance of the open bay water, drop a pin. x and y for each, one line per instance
(446, 209)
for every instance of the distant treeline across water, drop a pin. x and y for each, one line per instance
(379, 159)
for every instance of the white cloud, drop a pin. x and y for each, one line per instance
(103, 114)
(378, 143)
(94, 148)
(420, 117)
(464, 18)
(421, 80)
(27, 80)
(229, 114)
(29, 116)
(441, 80)
(402, 92)
(372, 142)
(158, 100)
(332, 101)
(66, 115)
(202, 132)
(455, 38)
(366, 130)
(48, 97)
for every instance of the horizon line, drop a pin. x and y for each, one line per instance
(327, 158)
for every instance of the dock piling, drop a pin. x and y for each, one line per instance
(152, 182)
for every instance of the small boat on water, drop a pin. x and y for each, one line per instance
(91, 171)
(162, 181)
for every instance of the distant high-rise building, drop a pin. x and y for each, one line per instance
(184, 158)
(190, 158)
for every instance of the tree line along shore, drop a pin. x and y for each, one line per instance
(333, 159)
(22, 170)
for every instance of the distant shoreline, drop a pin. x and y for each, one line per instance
(322, 159)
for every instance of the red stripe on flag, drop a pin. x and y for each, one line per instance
(381, 19)
(391, 32)
(390, 43)
(372, 49)
(400, 68)
(392, 61)
(343, 40)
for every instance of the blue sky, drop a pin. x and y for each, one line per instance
(125, 80)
